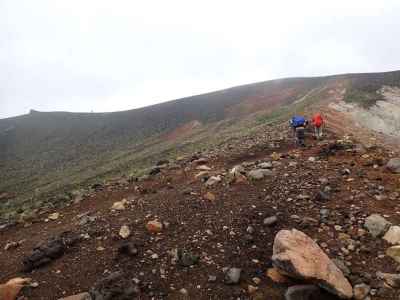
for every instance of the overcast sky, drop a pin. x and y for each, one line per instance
(94, 55)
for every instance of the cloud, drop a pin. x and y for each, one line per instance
(114, 55)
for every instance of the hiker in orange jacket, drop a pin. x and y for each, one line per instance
(318, 123)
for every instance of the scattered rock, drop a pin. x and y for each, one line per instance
(303, 292)
(258, 174)
(97, 186)
(202, 175)
(270, 221)
(275, 156)
(265, 165)
(203, 168)
(81, 296)
(6, 225)
(50, 250)
(393, 165)
(183, 291)
(297, 255)
(54, 216)
(119, 205)
(275, 276)
(201, 161)
(232, 275)
(12, 245)
(124, 232)
(85, 218)
(392, 280)
(209, 196)
(240, 179)
(154, 226)
(115, 286)
(154, 170)
(321, 197)
(237, 170)
(392, 236)
(186, 258)
(128, 248)
(251, 289)
(361, 291)
(236, 174)
(250, 229)
(376, 225)
(213, 180)
(394, 252)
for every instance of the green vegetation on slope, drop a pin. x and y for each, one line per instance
(363, 89)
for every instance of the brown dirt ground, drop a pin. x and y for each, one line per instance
(236, 206)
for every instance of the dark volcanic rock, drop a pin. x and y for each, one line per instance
(116, 286)
(50, 250)
(307, 292)
(128, 249)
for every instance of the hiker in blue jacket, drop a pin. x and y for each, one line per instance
(298, 124)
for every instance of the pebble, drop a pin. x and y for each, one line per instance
(183, 291)
(232, 275)
(270, 221)
(250, 229)
(361, 291)
(124, 231)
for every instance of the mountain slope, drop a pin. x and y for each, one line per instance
(44, 153)
(326, 190)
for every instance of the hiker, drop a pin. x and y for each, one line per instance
(318, 123)
(298, 124)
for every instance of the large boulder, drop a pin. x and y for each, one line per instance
(297, 255)
(393, 165)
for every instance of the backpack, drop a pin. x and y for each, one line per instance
(298, 121)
